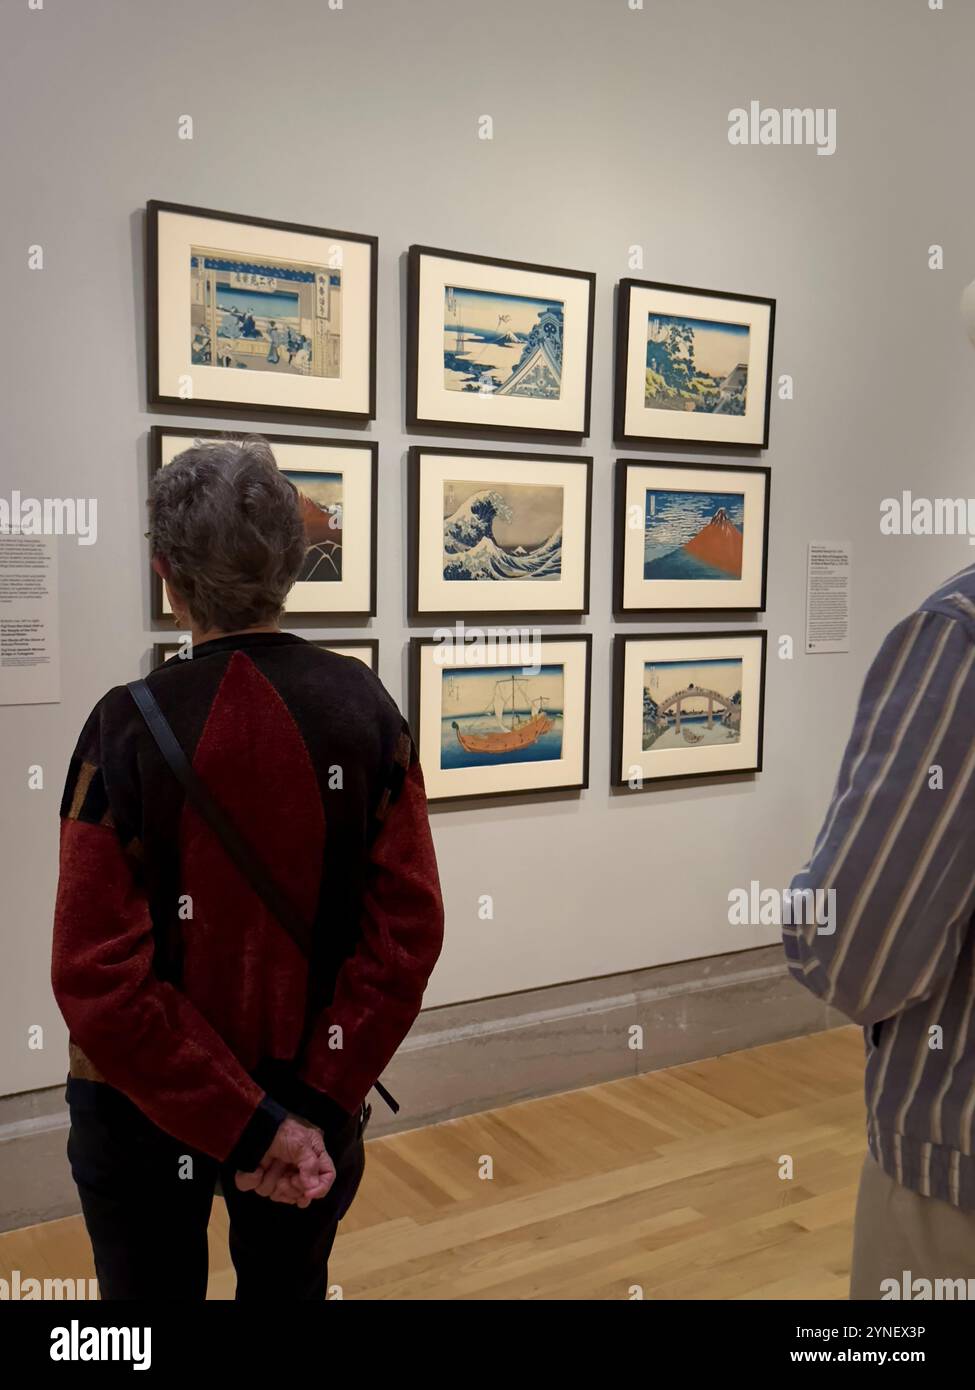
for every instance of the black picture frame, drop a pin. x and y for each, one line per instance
(159, 654)
(372, 643)
(416, 644)
(156, 435)
(620, 643)
(159, 649)
(624, 292)
(414, 463)
(413, 419)
(623, 466)
(202, 405)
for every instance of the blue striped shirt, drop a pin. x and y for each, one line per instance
(898, 848)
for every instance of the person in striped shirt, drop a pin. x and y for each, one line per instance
(898, 958)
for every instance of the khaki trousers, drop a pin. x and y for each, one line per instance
(900, 1235)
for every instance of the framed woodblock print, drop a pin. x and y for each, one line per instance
(498, 345)
(252, 314)
(162, 651)
(692, 365)
(687, 706)
(498, 719)
(336, 481)
(498, 532)
(690, 536)
(364, 649)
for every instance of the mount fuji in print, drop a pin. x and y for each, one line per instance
(693, 535)
(471, 544)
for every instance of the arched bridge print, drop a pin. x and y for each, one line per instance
(730, 713)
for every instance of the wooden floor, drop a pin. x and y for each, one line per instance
(669, 1182)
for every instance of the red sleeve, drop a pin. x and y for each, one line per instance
(142, 1034)
(380, 987)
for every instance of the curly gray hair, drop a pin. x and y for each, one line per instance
(227, 523)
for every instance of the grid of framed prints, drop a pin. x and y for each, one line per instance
(498, 345)
(251, 314)
(498, 532)
(336, 481)
(496, 720)
(687, 706)
(692, 365)
(690, 536)
(364, 649)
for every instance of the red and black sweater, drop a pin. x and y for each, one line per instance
(176, 983)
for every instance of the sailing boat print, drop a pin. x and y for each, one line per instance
(518, 733)
(502, 715)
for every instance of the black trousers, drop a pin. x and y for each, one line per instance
(146, 1199)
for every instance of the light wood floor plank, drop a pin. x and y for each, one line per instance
(668, 1182)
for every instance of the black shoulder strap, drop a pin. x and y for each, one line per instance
(238, 850)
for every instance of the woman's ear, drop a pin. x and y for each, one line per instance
(162, 568)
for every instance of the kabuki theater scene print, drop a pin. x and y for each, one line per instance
(336, 485)
(690, 536)
(254, 314)
(489, 725)
(495, 532)
(687, 706)
(692, 365)
(498, 345)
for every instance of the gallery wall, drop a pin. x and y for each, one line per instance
(610, 131)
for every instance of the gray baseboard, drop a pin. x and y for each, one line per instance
(35, 1184)
(463, 1058)
(469, 1057)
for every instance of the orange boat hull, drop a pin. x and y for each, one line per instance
(506, 742)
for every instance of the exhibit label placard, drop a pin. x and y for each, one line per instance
(29, 653)
(828, 569)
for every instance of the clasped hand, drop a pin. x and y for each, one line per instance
(296, 1168)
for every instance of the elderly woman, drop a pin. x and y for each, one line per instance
(235, 980)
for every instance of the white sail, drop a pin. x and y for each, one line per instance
(499, 707)
(536, 707)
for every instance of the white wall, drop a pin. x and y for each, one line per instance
(610, 129)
